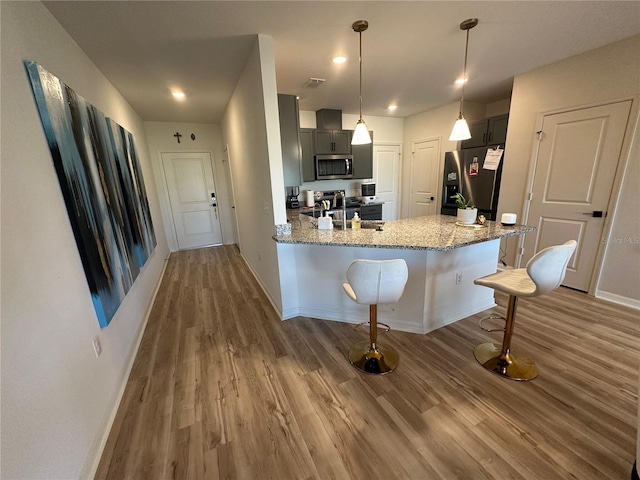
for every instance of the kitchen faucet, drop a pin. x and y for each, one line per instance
(342, 195)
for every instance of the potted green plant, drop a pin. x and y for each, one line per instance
(467, 212)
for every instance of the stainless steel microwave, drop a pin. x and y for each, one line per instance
(331, 167)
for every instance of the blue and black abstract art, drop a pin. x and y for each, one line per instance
(103, 189)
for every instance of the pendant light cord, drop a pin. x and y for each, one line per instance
(360, 60)
(360, 134)
(464, 73)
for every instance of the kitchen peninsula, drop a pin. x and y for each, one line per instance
(443, 260)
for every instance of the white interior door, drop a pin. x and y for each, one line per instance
(424, 178)
(386, 175)
(192, 197)
(574, 174)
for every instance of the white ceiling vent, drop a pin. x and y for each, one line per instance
(314, 82)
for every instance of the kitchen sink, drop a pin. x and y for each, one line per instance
(372, 226)
(365, 224)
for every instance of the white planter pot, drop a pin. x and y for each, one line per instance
(467, 216)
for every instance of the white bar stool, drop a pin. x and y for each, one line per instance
(543, 273)
(373, 282)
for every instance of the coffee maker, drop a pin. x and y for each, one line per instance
(292, 197)
(368, 192)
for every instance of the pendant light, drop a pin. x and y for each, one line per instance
(460, 128)
(361, 133)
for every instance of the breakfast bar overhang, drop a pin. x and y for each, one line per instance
(443, 259)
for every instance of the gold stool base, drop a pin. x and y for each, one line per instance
(378, 361)
(509, 365)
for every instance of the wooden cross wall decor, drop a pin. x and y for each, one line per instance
(177, 135)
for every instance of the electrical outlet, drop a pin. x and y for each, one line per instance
(458, 278)
(97, 348)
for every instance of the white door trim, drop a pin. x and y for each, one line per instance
(623, 160)
(226, 157)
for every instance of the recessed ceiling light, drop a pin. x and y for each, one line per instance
(178, 95)
(339, 59)
(460, 81)
(392, 107)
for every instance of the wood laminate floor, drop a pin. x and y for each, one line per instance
(221, 388)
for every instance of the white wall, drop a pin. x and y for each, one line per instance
(602, 75)
(620, 279)
(498, 108)
(208, 138)
(251, 128)
(385, 129)
(57, 397)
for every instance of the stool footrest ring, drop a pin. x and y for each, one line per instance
(492, 317)
(358, 328)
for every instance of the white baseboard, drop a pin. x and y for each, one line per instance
(453, 316)
(619, 299)
(355, 319)
(402, 326)
(132, 357)
(290, 313)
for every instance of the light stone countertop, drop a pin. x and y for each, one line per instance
(434, 232)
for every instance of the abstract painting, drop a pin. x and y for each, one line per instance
(136, 204)
(102, 186)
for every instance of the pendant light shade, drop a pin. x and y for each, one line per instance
(361, 133)
(460, 128)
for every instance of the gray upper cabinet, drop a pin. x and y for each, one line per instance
(363, 159)
(491, 131)
(333, 142)
(308, 163)
(290, 139)
(497, 131)
(478, 135)
(330, 138)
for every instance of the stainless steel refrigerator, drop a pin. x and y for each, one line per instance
(464, 173)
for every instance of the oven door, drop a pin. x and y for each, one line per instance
(331, 167)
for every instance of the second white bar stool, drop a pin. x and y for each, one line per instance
(544, 273)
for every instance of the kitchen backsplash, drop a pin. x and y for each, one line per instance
(351, 187)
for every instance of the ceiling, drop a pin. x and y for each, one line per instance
(412, 51)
